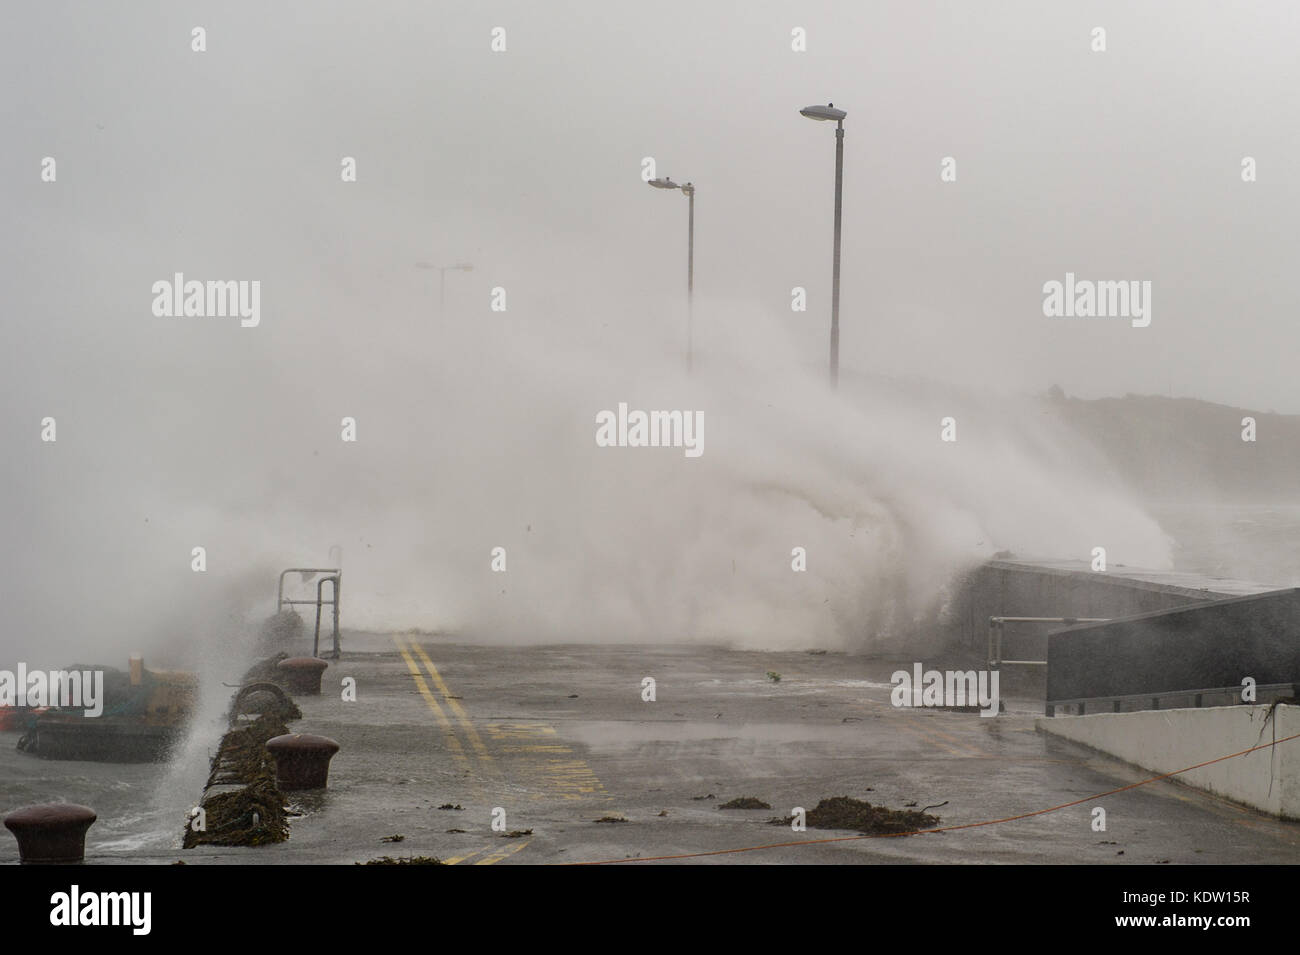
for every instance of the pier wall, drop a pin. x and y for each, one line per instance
(1017, 588)
(1164, 741)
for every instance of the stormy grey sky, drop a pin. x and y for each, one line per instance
(1122, 165)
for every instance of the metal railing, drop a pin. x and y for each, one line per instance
(334, 577)
(997, 627)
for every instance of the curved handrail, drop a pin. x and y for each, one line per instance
(333, 581)
(279, 592)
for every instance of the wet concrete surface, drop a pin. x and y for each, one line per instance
(559, 737)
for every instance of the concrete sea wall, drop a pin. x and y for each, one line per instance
(1163, 741)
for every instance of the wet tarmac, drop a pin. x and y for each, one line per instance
(545, 741)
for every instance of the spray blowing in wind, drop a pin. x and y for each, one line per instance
(500, 448)
(646, 543)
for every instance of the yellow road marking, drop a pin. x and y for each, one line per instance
(500, 854)
(970, 748)
(920, 734)
(453, 742)
(543, 755)
(454, 704)
(454, 860)
(544, 760)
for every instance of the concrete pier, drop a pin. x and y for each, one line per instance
(443, 734)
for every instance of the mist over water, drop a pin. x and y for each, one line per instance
(483, 437)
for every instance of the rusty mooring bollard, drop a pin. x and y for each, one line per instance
(303, 674)
(302, 761)
(51, 834)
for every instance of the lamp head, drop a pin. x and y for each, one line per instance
(827, 112)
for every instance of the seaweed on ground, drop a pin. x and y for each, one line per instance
(404, 860)
(266, 671)
(745, 802)
(844, 812)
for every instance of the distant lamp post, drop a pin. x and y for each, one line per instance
(825, 113)
(688, 190)
(442, 278)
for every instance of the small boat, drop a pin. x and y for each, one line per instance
(144, 714)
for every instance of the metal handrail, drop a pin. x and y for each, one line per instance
(334, 577)
(996, 627)
(280, 602)
(333, 581)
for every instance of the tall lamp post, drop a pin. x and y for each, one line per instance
(824, 113)
(688, 190)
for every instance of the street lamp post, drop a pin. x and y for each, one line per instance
(824, 113)
(688, 190)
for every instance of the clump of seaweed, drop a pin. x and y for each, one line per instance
(254, 814)
(405, 860)
(745, 802)
(242, 754)
(844, 812)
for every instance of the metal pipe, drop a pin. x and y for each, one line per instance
(689, 189)
(333, 581)
(997, 631)
(279, 593)
(835, 272)
(337, 578)
(315, 644)
(1070, 620)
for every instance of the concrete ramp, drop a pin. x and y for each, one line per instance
(1164, 741)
